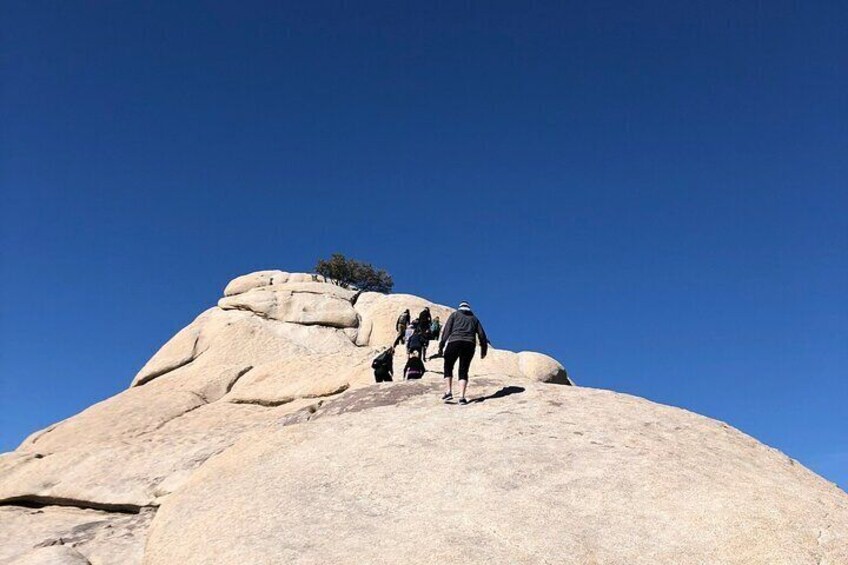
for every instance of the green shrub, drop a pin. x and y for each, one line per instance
(351, 273)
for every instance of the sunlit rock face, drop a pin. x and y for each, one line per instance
(256, 435)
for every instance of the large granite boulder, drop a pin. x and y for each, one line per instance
(255, 435)
(528, 473)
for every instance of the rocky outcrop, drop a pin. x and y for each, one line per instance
(62, 535)
(255, 434)
(528, 473)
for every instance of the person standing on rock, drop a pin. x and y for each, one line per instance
(410, 329)
(459, 338)
(416, 341)
(400, 326)
(424, 320)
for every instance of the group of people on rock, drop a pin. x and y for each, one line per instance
(457, 343)
(417, 333)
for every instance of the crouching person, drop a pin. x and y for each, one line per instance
(383, 366)
(415, 368)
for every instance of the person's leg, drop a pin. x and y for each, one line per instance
(450, 361)
(465, 356)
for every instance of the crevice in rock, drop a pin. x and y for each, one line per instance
(35, 501)
(198, 395)
(156, 374)
(325, 324)
(311, 291)
(169, 420)
(242, 308)
(266, 317)
(279, 402)
(262, 401)
(339, 390)
(238, 376)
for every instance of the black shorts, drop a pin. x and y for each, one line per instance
(464, 352)
(382, 376)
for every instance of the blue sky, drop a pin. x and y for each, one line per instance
(652, 192)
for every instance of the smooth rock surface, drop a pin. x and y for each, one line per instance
(540, 367)
(255, 280)
(137, 470)
(532, 474)
(300, 303)
(258, 435)
(52, 555)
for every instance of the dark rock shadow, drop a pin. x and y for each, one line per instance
(505, 391)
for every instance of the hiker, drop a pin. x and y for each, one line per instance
(424, 320)
(383, 365)
(401, 325)
(459, 337)
(411, 329)
(415, 368)
(416, 341)
(435, 329)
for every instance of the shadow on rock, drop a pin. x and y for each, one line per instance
(505, 391)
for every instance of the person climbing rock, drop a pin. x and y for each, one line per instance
(424, 320)
(435, 329)
(416, 341)
(414, 368)
(383, 366)
(400, 326)
(459, 337)
(411, 329)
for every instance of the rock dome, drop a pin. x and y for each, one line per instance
(256, 435)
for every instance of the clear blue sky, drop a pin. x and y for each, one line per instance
(652, 192)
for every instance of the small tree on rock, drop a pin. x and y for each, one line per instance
(348, 273)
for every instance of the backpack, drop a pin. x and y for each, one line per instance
(380, 361)
(416, 371)
(415, 341)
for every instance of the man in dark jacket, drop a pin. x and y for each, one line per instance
(417, 341)
(383, 366)
(459, 337)
(424, 320)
